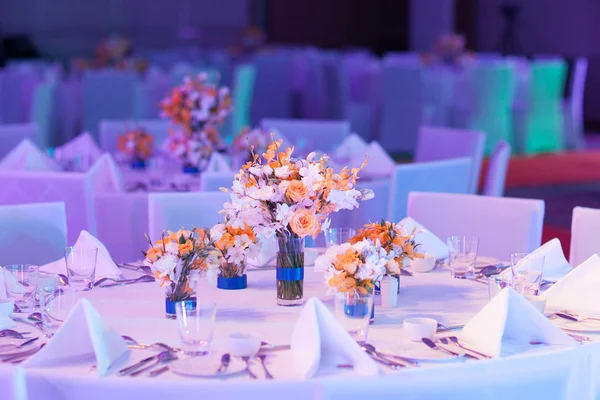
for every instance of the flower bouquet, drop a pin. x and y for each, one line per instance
(197, 107)
(290, 199)
(136, 145)
(176, 260)
(232, 247)
(257, 139)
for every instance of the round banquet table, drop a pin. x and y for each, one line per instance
(137, 311)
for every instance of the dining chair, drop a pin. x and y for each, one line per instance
(539, 126)
(110, 130)
(243, 86)
(105, 176)
(439, 143)
(585, 230)
(495, 179)
(32, 233)
(73, 189)
(271, 97)
(503, 225)
(26, 156)
(172, 211)
(447, 176)
(573, 106)
(42, 112)
(13, 134)
(149, 93)
(402, 108)
(107, 94)
(212, 181)
(309, 135)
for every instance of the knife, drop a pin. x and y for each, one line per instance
(433, 346)
(280, 347)
(135, 366)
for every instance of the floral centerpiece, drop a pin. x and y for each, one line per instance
(289, 199)
(257, 139)
(136, 145)
(233, 245)
(176, 260)
(196, 107)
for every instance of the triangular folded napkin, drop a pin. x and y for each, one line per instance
(218, 163)
(351, 145)
(380, 165)
(578, 291)
(555, 264)
(319, 343)
(105, 175)
(83, 146)
(26, 156)
(105, 266)
(428, 242)
(508, 324)
(83, 334)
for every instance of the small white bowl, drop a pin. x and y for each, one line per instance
(538, 302)
(425, 264)
(419, 328)
(243, 344)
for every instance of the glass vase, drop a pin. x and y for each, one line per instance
(232, 276)
(354, 312)
(174, 295)
(290, 271)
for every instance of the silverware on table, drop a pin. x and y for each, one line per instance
(37, 325)
(382, 360)
(225, 360)
(139, 364)
(443, 328)
(162, 358)
(369, 348)
(134, 344)
(19, 346)
(12, 334)
(575, 317)
(246, 359)
(17, 358)
(434, 346)
(470, 352)
(273, 348)
(262, 358)
(159, 371)
(116, 282)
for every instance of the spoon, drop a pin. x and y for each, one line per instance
(158, 345)
(369, 348)
(63, 280)
(488, 271)
(13, 334)
(454, 340)
(35, 317)
(162, 358)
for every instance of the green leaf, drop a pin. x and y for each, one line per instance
(181, 239)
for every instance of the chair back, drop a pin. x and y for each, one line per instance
(495, 179)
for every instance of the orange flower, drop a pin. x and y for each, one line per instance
(297, 191)
(153, 253)
(305, 223)
(186, 248)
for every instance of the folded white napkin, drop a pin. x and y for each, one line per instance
(351, 145)
(555, 264)
(83, 146)
(380, 163)
(105, 266)
(578, 290)
(105, 175)
(83, 334)
(429, 243)
(507, 325)
(268, 253)
(26, 156)
(218, 163)
(319, 343)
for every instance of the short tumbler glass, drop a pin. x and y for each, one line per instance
(336, 236)
(20, 287)
(55, 306)
(353, 312)
(81, 266)
(527, 270)
(196, 326)
(462, 256)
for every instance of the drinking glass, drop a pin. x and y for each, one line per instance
(81, 266)
(496, 283)
(335, 236)
(196, 326)
(462, 255)
(19, 285)
(527, 270)
(55, 306)
(353, 312)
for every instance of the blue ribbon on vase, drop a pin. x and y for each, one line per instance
(290, 274)
(235, 283)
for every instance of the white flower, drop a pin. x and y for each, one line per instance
(166, 265)
(172, 248)
(343, 199)
(217, 231)
(284, 214)
(265, 193)
(283, 172)
(311, 176)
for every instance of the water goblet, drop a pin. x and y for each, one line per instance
(81, 266)
(196, 326)
(353, 311)
(527, 270)
(336, 236)
(20, 287)
(462, 256)
(55, 306)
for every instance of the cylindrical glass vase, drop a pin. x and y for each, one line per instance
(290, 271)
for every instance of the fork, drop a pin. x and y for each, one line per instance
(575, 317)
(262, 357)
(246, 359)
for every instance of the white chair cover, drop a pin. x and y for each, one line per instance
(212, 181)
(495, 179)
(573, 106)
(110, 130)
(43, 112)
(107, 94)
(105, 176)
(310, 135)
(83, 148)
(585, 231)
(18, 86)
(402, 108)
(438, 143)
(172, 211)
(503, 225)
(149, 93)
(21, 187)
(447, 176)
(243, 87)
(32, 233)
(271, 97)
(28, 157)
(13, 134)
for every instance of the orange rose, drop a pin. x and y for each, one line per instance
(304, 223)
(153, 253)
(297, 191)
(186, 248)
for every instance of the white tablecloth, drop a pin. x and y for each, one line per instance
(137, 311)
